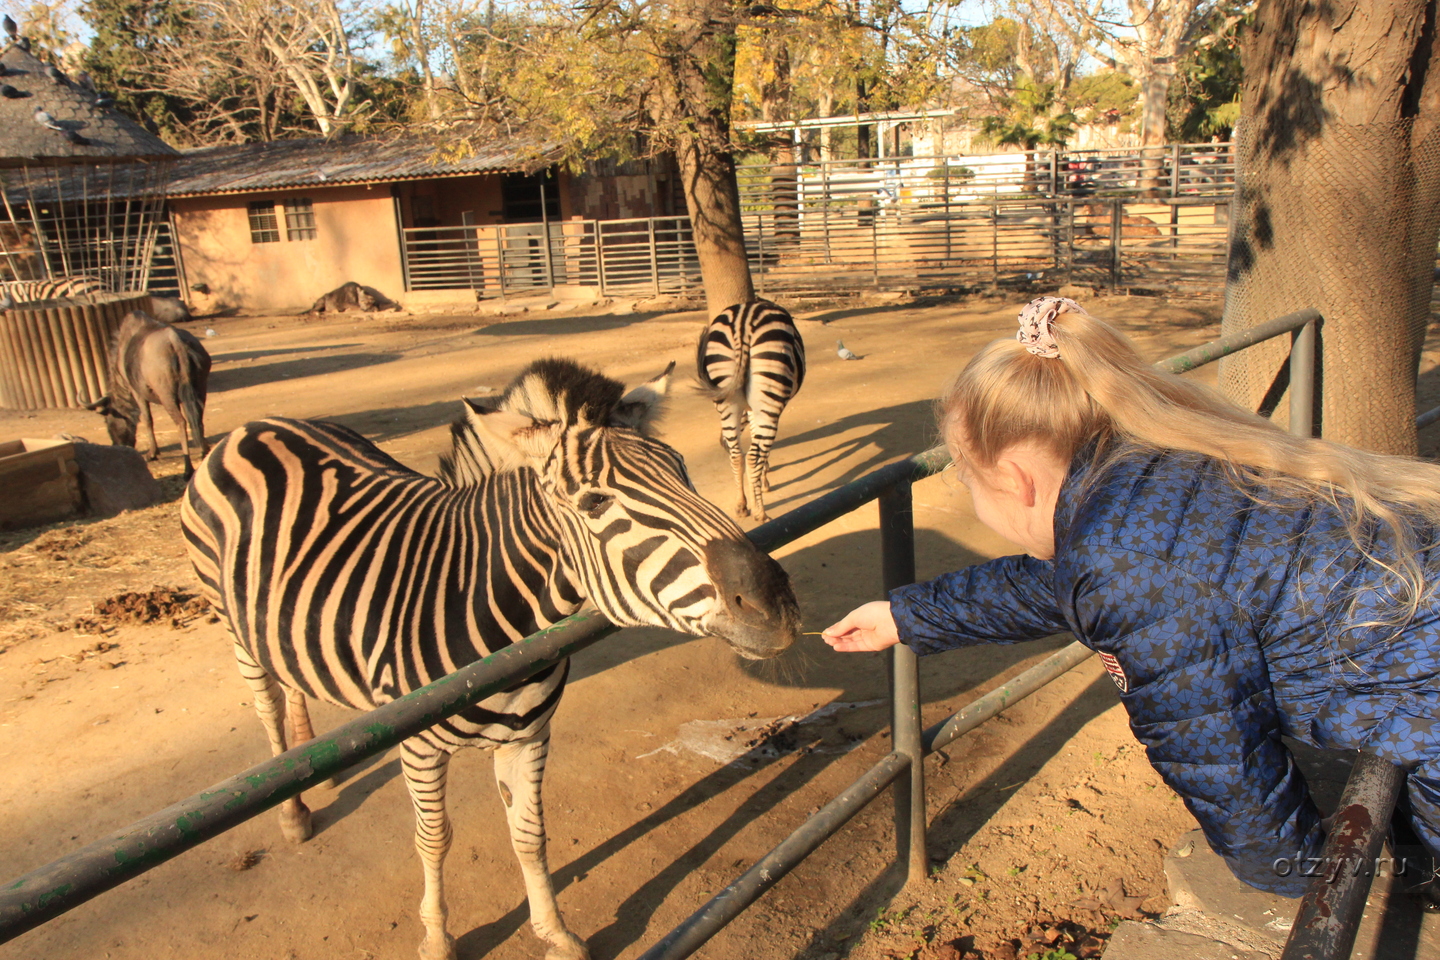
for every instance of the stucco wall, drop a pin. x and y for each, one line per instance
(355, 239)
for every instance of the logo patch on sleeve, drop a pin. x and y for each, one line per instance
(1117, 672)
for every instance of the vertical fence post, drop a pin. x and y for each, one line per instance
(1115, 224)
(1302, 381)
(600, 259)
(760, 266)
(500, 256)
(897, 560)
(875, 247)
(1175, 172)
(654, 261)
(994, 244)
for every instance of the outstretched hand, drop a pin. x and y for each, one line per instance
(867, 627)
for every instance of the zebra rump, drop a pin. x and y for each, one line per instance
(343, 574)
(751, 362)
(13, 292)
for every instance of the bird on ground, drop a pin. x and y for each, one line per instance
(104, 100)
(845, 352)
(10, 93)
(23, 43)
(42, 117)
(84, 80)
(10, 28)
(56, 74)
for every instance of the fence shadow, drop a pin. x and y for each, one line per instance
(235, 378)
(554, 326)
(897, 431)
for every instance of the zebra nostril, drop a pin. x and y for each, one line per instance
(739, 602)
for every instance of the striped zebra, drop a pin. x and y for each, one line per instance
(751, 361)
(60, 288)
(342, 574)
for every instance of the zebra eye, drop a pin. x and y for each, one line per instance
(593, 504)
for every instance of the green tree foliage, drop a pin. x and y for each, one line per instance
(1204, 101)
(1107, 96)
(1033, 118)
(123, 59)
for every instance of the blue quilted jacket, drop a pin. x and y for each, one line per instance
(1225, 623)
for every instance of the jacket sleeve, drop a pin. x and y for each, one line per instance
(1002, 601)
(1193, 677)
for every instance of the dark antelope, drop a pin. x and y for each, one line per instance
(153, 362)
(345, 575)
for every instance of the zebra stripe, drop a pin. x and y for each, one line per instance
(342, 574)
(752, 361)
(61, 288)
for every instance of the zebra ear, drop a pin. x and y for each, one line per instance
(642, 406)
(504, 431)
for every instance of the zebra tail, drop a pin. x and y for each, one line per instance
(735, 387)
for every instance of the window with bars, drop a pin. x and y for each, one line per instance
(264, 228)
(299, 219)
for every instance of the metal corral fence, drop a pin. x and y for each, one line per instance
(1176, 245)
(905, 222)
(1325, 926)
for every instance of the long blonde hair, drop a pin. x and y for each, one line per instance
(1100, 389)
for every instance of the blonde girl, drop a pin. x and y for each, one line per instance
(1238, 583)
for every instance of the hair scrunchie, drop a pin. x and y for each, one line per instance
(1035, 322)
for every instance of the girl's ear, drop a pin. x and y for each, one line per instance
(1016, 477)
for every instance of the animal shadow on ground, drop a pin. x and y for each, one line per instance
(233, 378)
(554, 326)
(241, 355)
(830, 316)
(899, 431)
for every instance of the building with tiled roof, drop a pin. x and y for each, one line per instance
(79, 131)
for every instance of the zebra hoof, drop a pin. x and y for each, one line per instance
(437, 948)
(295, 823)
(569, 947)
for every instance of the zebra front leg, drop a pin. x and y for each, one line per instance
(425, 767)
(519, 770)
(732, 416)
(297, 712)
(270, 705)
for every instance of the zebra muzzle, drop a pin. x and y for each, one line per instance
(756, 611)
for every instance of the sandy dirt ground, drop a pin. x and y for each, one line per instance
(674, 765)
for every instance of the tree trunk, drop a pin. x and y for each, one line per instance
(1338, 206)
(695, 100)
(1154, 82)
(713, 199)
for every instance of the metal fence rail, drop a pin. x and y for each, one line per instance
(59, 886)
(838, 245)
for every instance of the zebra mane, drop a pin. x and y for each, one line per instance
(552, 390)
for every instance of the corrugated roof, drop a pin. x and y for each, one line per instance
(255, 167)
(95, 134)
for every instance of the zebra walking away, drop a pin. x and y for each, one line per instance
(342, 574)
(751, 361)
(13, 292)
